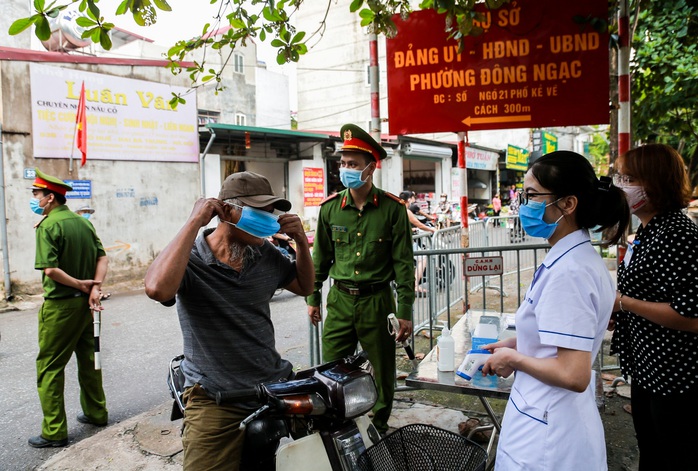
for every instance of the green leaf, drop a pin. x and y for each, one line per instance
(85, 22)
(53, 12)
(43, 29)
(95, 35)
(367, 14)
(280, 58)
(39, 5)
(92, 10)
(207, 78)
(262, 35)
(162, 5)
(355, 5)
(298, 37)
(277, 43)
(104, 39)
(20, 25)
(123, 7)
(237, 23)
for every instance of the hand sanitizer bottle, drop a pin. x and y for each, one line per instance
(446, 351)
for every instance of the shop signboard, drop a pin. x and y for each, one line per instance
(544, 142)
(313, 186)
(480, 159)
(127, 119)
(532, 66)
(517, 158)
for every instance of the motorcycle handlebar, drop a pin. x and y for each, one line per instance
(241, 395)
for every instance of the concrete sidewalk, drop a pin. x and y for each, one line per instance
(151, 442)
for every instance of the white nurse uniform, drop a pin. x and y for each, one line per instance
(568, 305)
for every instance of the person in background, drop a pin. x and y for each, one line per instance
(420, 260)
(85, 211)
(656, 307)
(561, 324)
(363, 242)
(444, 212)
(73, 266)
(223, 280)
(496, 204)
(512, 193)
(416, 209)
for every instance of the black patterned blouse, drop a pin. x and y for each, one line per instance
(663, 268)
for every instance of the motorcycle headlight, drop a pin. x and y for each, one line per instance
(359, 396)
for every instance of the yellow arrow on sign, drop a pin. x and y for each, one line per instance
(120, 247)
(496, 119)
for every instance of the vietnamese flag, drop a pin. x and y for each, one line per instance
(81, 123)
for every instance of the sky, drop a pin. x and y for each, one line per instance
(186, 20)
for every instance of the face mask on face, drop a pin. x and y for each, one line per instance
(86, 215)
(531, 216)
(352, 178)
(636, 197)
(34, 205)
(256, 222)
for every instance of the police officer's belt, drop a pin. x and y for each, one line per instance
(360, 290)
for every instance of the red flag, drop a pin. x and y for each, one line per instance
(81, 123)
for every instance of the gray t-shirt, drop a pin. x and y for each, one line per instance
(225, 319)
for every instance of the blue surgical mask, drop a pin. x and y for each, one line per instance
(351, 178)
(531, 216)
(256, 222)
(86, 215)
(34, 206)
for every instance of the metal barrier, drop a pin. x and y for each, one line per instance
(440, 264)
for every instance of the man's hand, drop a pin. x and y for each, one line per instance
(292, 226)
(205, 209)
(405, 330)
(314, 314)
(96, 297)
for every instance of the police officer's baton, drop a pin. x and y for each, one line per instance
(96, 316)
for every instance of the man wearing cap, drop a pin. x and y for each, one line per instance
(363, 242)
(73, 264)
(223, 280)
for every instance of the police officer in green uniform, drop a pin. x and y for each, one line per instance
(73, 264)
(363, 242)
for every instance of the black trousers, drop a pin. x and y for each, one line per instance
(665, 427)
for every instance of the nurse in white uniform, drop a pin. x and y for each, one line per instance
(551, 421)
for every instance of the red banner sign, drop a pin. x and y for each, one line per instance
(313, 186)
(539, 63)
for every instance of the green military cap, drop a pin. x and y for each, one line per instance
(47, 182)
(357, 140)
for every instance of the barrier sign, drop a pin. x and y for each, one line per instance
(537, 64)
(484, 266)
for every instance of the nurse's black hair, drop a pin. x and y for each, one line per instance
(599, 202)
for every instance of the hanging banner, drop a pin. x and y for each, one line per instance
(127, 119)
(313, 186)
(538, 63)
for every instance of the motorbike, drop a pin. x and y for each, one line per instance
(320, 415)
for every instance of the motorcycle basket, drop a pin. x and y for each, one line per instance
(420, 447)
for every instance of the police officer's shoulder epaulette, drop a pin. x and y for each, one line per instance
(39, 223)
(329, 198)
(393, 197)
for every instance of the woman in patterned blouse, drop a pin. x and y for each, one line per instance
(656, 323)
